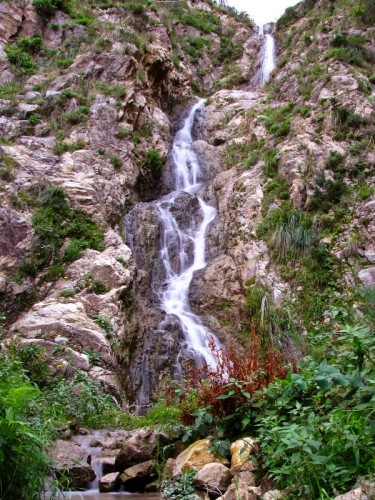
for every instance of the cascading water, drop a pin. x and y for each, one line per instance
(174, 294)
(268, 60)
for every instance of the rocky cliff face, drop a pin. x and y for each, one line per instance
(90, 98)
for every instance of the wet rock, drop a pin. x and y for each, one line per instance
(140, 447)
(71, 461)
(195, 457)
(109, 482)
(137, 477)
(213, 478)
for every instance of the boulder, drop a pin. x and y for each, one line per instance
(72, 462)
(238, 491)
(241, 450)
(141, 446)
(367, 276)
(196, 456)
(137, 477)
(213, 478)
(109, 482)
(365, 491)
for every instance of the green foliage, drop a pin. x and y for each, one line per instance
(277, 120)
(67, 293)
(350, 49)
(23, 463)
(150, 173)
(274, 324)
(116, 162)
(328, 191)
(46, 8)
(315, 427)
(205, 21)
(54, 222)
(334, 160)
(7, 165)
(33, 359)
(275, 190)
(271, 161)
(21, 60)
(196, 47)
(181, 488)
(364, 191)
(76, 116)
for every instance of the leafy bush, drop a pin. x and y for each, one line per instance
(21, 60)
(205, 21)
(277, 119)
(315, 426)
(181, 488)
(334, 160)
(116, 162)
(23, 463)
(46, 8)
(54, 221)
(150, 173)
(7, 165)
(76, 116)
(327, 191)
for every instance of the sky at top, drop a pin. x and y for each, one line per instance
(262, 11)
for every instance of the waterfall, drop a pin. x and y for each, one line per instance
(268, 59)
(188, 244)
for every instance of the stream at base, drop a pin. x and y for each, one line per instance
(121, 495)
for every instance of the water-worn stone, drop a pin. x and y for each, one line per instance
(136, 478)
(367, 276)
(71, 461)
(195, 457)
(140, 447)
(109, 482)
(213, 478)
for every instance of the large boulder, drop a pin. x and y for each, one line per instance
(365, 491)
(72, 462)
(141, 446)
(195, 457)
(137, 477)
(214, 478)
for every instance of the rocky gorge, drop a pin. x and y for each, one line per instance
(108, 254)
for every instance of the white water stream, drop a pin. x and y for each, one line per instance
(268, 59)
(174, 295)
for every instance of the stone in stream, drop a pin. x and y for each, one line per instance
(72, 462)
(213, 478)
(109, 482)
(141, 446)
(137, 477)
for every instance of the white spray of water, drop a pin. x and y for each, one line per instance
(268, 58)
(174, 296)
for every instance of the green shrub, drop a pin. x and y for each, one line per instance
(150, 173)
(23, 463)
(116, 162)
(46, 8)
(7, 165)
(31, 45)
(68, 292)
(364, 191)
(54, 222)
(76, 116)
(21, 60)
(334, 160)
(181, 488)
(327, 191)
(277, 120)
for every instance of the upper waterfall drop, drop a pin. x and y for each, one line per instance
(187, 243)
(268, 58)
